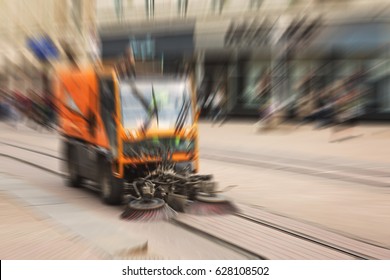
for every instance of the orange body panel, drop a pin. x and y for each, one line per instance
(78, 101)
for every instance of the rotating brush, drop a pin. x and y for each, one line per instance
(148, 210)
(205, 209)
(206, 204)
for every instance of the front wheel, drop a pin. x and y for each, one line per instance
(111, 188)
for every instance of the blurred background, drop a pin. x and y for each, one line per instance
(299, 48)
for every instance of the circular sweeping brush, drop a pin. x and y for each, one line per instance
(206, 204)
(145, 210)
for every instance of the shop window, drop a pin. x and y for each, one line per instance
(300, 68)
(383, 96)
(378, 68)
(255, 72)
(143, 48)
(346, 68)
(377, 81)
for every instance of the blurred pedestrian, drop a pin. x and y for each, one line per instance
(49, 111)
(38, 112)
(305, 109)
(325, 110)
(349, 107)
(3, 108)
(272, 116)
(263, 92)
(28, 106)
(129, 62)
(12, 111)
(217, 103)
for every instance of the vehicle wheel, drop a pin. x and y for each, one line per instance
(111, 188)
(74, 179)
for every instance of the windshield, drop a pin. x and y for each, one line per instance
(169, 97)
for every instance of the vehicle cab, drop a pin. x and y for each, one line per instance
(157, 117)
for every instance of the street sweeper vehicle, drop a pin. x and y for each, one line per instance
(135, 140)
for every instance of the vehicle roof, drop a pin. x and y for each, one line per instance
(156, 79)
(84, 69)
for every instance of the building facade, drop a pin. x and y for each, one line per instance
(28, 24)
(230, 42)
(237, 42)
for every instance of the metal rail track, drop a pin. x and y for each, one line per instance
(31, 150)
(234, 247)
(306, 162)
(303, 236)
(289, 166)
(262, 240)
(200, 231)
(299, 169)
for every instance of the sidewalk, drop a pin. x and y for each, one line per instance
(27, 234)
(36, 224)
